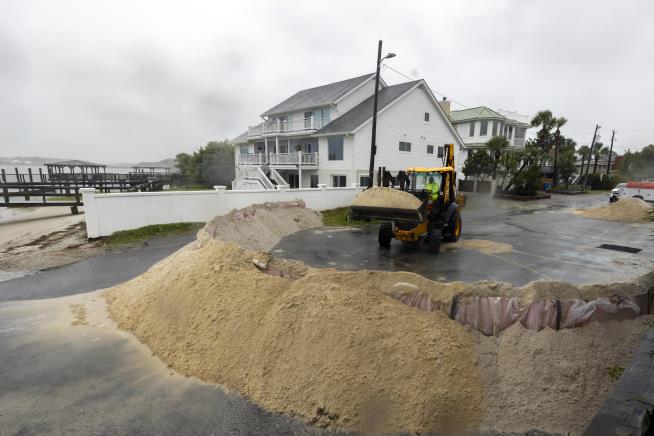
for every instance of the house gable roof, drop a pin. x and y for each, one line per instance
(362, 112)
(358, 116)
(481, 113)
(475, 113)
(240, 139)
(318, 96)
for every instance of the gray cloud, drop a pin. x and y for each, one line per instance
(117, 81)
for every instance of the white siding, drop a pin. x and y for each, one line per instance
(356, 97)
(404, 121)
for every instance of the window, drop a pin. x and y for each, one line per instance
(495, 128)
(283, 123)
(245, 149)
(430, 149)
(426, 116)
(440, 151)
(510, 132)
(405, 146)
(363, 180)
(307, 120)
(472, 129)
(313, 180)
(338, 182)
(483, 128)
(335, 148)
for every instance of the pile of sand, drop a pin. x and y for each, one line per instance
(327, 347)
(554, 381)
(340, 349)
(386, 197)
(261, 226)
(625, 210)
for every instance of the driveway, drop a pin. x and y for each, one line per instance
(548, 240)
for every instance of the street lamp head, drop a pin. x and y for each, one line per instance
(390, 55)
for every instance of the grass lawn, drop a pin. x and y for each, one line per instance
(339, 218)
(125, 237)
(192, 187)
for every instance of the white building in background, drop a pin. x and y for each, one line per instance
(479, 124)
(322, 135)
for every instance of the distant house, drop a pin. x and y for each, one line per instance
(322, 135)
(477, 125)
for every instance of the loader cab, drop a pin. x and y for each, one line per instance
(443, 177)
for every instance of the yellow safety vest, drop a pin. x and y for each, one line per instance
(433, 188)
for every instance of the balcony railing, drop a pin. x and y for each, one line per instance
(299, 158)
(518, 142)
(287, 126)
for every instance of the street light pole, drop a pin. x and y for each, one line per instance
(373, 137)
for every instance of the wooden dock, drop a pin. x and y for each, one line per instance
(63, 189)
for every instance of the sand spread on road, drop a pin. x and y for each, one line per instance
(79, 314)
(485, 246)
(625, 210)
(387, 197)
(339, 350)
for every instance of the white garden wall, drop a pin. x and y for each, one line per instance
(108, 213)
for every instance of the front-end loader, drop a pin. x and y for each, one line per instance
(436, 216)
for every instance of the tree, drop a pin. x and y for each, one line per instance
(583, 152)
(478, 164)
(640, 164)
(598, 151)
(546, 121)
(210, 165)
(566, 162)
(496, 146)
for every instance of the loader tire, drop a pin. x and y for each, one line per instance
(385, 235)
(435, 236)
(453, 228)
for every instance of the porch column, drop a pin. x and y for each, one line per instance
(299, 169)
(265, 145)
(276, 144)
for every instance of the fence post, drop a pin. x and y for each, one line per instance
(90, 213)
(4, 176)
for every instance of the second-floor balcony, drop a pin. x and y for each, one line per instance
(286, 126)
(277, 159)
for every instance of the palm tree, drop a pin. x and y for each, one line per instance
(496, 146)
(582, 152)
(599, 151)
(558, 123)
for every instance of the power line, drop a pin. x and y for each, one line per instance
(432, 90)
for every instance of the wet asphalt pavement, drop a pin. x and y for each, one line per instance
(97, 272)
(549, 242)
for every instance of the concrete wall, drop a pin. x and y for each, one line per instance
(108, 213)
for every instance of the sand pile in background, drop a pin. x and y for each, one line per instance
(327, 347)
(387, 197)
(261, 226)
(625, 210)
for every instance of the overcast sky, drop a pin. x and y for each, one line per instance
(115, 81)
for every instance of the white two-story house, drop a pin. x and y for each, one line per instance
(322, 135)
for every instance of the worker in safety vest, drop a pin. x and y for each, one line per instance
(432, 187)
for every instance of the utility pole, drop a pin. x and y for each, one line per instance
(608, 167)
(557, 138)
(373, 140)
(590, 154)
